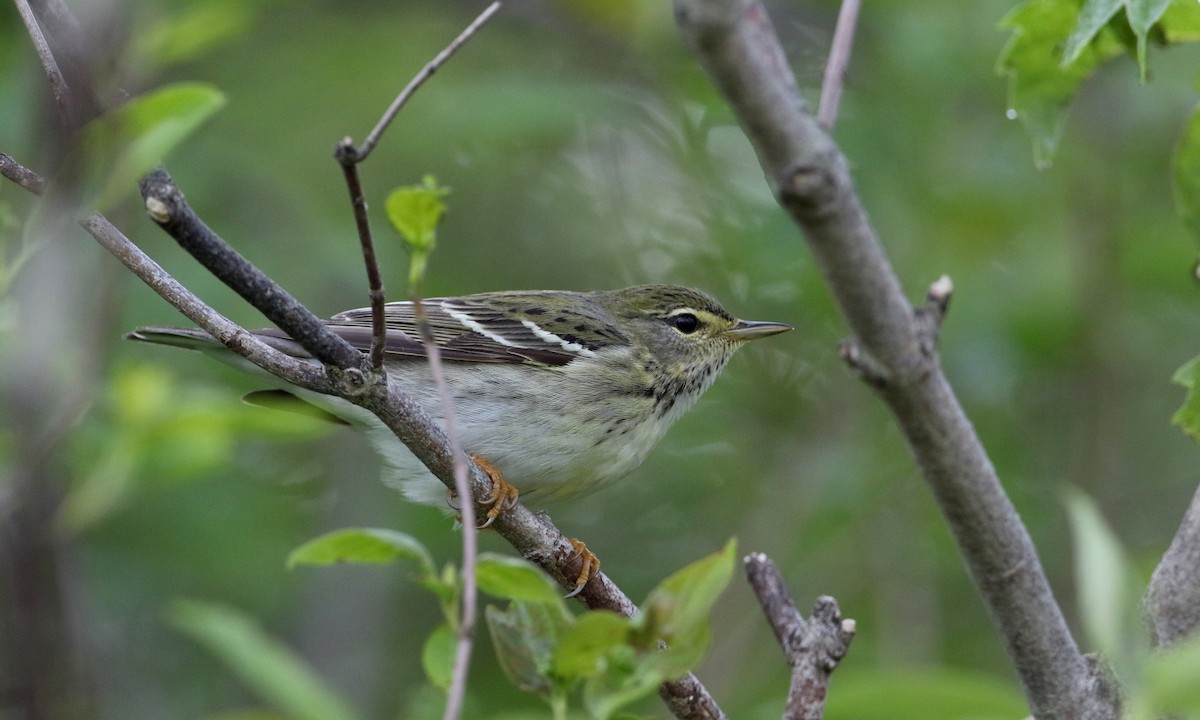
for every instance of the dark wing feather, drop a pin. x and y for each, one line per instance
(490, 328)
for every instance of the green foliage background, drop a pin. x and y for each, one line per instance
(586, 150)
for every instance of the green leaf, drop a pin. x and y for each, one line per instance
(524, 636)
(1105, 582)
(194, 30)
(415, 211)
(1039, 85)
(514, 579)
(1187, 417)
(1172, 679)
(437, 657)
(123, 144)
(625, 681)
(583, 649)
(362, 545)
(1185, 172)
(676, 612)
(1092, 18)
(1143, 14)
(265, 666)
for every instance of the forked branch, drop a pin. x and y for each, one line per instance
(736, 43)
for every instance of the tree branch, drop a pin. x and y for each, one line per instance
(813, 648)
(736, 44)
(1173, 599)
(839, 59)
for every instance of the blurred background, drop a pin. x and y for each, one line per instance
(585, 149)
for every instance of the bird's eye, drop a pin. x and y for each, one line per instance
(685, 323)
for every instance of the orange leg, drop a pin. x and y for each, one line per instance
(588, 570)
(503, 495)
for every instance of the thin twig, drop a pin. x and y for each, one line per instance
(419, 79)
(349, 159)
(839, 59)
(470, 597)
(813, 648)
(54, 75)
(737, 45)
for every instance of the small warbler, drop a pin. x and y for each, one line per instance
(563, 391)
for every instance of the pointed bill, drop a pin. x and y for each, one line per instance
(749, 330)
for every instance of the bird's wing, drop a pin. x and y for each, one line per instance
(473, 330)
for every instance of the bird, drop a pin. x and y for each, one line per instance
(557, 393)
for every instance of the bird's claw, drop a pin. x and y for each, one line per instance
(589, 568)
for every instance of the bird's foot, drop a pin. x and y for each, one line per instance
(588, 570)
(502, 497)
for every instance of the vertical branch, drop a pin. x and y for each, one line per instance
(839, 59)
(349, 157)
(895, 350)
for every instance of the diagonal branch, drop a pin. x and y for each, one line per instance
(737, 45)
(533, 535)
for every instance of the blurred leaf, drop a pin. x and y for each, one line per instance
(1181, 22)
(437, 656)
(1040, 86)
(196, 28)
(524, 636)
(250, 714)
(123, 144)
(266, 667)
(362, 545)
(583, 649)
(1172, 679)
(1185, 168)
(515, 579)
(676, 612)
(1143, 14)
(933, 694)
(1187, 417)
(1105, 581)
(624, 681)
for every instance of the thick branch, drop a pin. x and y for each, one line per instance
(813, 648)
(737, 45)
(1173, 600)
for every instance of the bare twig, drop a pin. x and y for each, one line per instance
(839, 59)
(347, 158)
(470, 597)
(813, 648)
(419, 79)
(1173, 599)
(736, 44)
(54, 75)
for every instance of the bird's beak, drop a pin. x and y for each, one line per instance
(747, 330)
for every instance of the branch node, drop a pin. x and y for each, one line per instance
(863, 364)
(810, 188)
(931, 315)
(813, 648)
